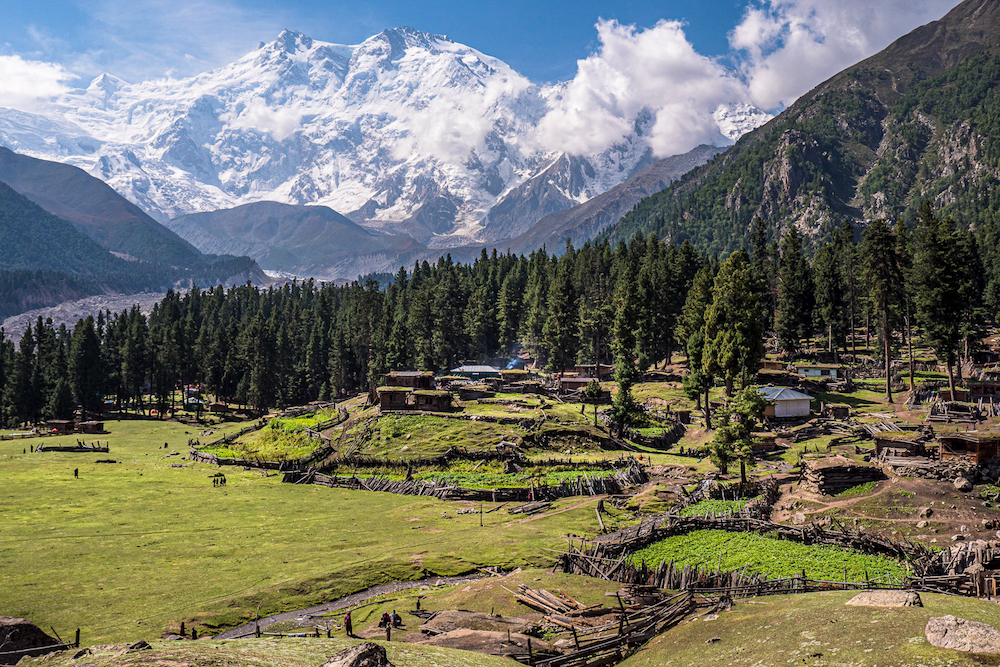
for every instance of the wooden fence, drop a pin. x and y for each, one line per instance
(583, 485)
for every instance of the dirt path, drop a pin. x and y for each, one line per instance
(303, 615)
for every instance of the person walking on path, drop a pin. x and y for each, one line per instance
(348, 626)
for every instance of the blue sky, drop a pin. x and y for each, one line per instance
(777, 48)
(542, 40)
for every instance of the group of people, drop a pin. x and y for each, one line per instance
(386, 621)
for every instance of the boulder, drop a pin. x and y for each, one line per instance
(926, 512)
(141, 645)
(799, 518)
(18, 634)
(886, 599)
(921, 524)
(962, 635)
(963, 484)
(368, 654)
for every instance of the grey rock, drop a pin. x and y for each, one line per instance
(799, 519)
(886, 599)
(957, 538)
(141, 645)
(362, 655)
(921, 524)
(926, 512)
(963, 484)
(961, 635)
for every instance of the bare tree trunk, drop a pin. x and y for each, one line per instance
(909, 344)
(708, 412)
(868, 319)
(951, 380)
(887, 337)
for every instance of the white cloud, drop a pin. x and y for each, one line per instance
(28, 84)
(279, 122)
(655, 70)
(790, 46)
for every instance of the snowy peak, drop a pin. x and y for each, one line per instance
(407, 133)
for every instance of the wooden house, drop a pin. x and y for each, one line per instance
(976, 446)
(772, 365)
(821, 371)
(597, 371)
(411, 379)
(90, 427)
(785, 403)
(833, 474)
(899, 443)
(472, 392)
(435, 401)
(573, 383)
(837, 411)
(514, 375)
(394, 398)
(473, 372)
(60, 426)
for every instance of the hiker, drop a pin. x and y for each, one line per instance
(397, 622)
(385, 621)
(348, 626)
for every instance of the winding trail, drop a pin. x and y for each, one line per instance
(247, 629)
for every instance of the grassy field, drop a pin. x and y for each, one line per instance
(289, 652)
(817, 629)
(128, 548)
(779, 558)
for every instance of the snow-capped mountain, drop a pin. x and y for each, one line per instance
(407, 133)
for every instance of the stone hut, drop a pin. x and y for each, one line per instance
(472, 392)
(834, 474)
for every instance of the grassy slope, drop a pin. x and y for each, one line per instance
(297, 652)
(126, 549)
(816, 629)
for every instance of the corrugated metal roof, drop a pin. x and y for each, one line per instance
(475, 369)
(783, 394)
(409, 374)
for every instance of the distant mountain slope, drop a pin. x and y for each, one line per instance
(917, 120)
(96, 209)
(407, 132)
(587, 220)
(299, 240)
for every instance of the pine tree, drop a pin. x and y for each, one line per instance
(559, 332)
(884, 281)
(624, 348)
(734, 337)
(691, 335)
(734, 440)
(85, 370)
(830, 301)
(793, 310)
(938, 289)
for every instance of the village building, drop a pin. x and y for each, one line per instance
(411, 379)
(394, 398)
(90, 427)
(821, 371)
(975, 446)
(785, 403)
(59, 426)
(772, 365)
(899, 443)
(598, 371)
(833, 474)
(837, 411)
(435, 401)
(573, 383)
(472, 392)
(472, 372)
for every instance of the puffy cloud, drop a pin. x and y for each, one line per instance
(278, 122)
(634, 71)
(790, 46)
(28, 84)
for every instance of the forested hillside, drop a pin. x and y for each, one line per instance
(915, 122)
(634, 304)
